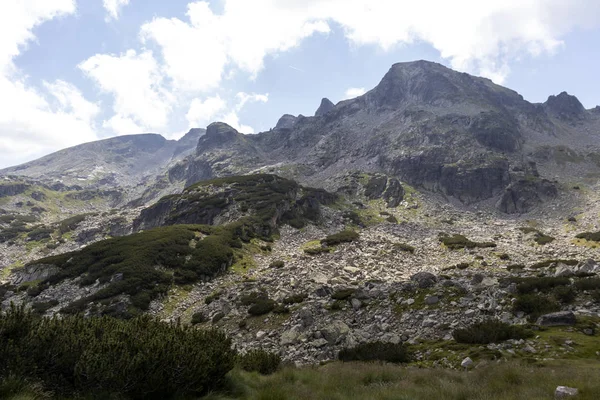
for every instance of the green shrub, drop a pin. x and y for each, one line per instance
(40, 233)
(595, 295)
(564, 294)
(135, 257)
(588, 284)
(535, 305)
(262, 307)
(42, 306)
(251, 298)
(490, 331)
(542, 284)
(139, 358)
(376, 351)
(346, 236)
(277, 264)
(199, 318)
(260, 361)
(315, 251)
(591, 236)
(295, 298)
(281, 309)
(456, 242)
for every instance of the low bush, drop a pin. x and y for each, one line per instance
(588, 284)
(141, 358)
(254, 297)
(377, 351)
(346, 236)
(260, 361)
(295, 298)
(591, 236)
(595, 295)
(542, 284)
(262, 307)
(277, 264)
(315, 251)
(456, 242)
(535, 305)
(564, 294)
(39, 233)
(199, 318)
(490, 331)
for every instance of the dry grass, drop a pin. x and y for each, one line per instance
(353, 381)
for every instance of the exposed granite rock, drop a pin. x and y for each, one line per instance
(525, 194)
(562, 318)
(565, 106)
(287, 121)
(324, 108)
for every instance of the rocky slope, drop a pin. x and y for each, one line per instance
(434, 128)
(433, 201)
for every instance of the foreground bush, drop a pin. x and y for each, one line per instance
(377, 351)
(140, 358)
(260, 361)
(490, 331)
(535, 305)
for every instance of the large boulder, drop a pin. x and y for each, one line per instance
(424, 279)
(525, 194)
(561, 318)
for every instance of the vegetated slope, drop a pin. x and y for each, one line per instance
(124, 274)
(433, 128)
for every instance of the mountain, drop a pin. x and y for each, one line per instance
(427, 220)
(119, 161)
(434, 128)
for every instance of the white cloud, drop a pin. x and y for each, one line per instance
(34, 121)
(122, 125)
(354, 92)
(475, 36)
(137, 86)
(113, 7)
(201, 113)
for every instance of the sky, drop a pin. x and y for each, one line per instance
(74, 71)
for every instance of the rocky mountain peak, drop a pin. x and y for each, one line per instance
(432, 84)
(220, 129)
(218, 134)
(325, 107)
(565, 106)
(287, 121)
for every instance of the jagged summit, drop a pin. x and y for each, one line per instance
(287, 121)
(325, 107)
(565, 106)
(432, 84)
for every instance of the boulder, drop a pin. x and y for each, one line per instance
(424, 279)
(334, 331)
(561, 318)
(467, 363)
(564, 392)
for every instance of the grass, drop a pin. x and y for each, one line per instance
(354, 381)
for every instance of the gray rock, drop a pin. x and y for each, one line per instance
(334, 331)
(561, 318)
(564, 392)
(356, 304)
(563, 270)
(287, 121)
(319, 343)
(430, 300)
(424, 279)
(466, 363)
(324, 108)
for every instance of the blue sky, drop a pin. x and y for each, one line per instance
(73, 71)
